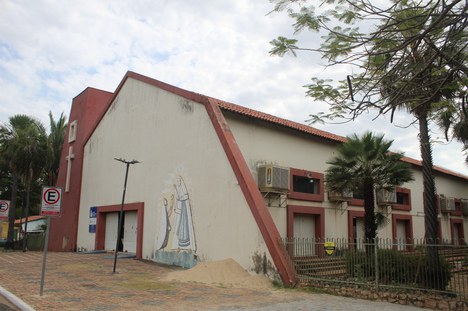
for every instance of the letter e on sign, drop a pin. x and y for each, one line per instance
(51, 201)
(4, 209)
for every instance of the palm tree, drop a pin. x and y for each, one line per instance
(457, 121)
(366, 164)
(22, 146)
(54, 147)
(34, 155)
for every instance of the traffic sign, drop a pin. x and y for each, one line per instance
(4, 209)
(51, 201)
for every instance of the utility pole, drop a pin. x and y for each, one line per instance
(119, 229)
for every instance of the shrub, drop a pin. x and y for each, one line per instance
(397, 267)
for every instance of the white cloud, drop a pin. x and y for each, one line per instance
(51, 50)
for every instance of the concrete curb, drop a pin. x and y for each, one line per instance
(15, 300)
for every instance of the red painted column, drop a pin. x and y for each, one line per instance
(86, 110)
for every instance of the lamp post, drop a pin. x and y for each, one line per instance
(119, 228)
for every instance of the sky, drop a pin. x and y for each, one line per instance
(51, 50)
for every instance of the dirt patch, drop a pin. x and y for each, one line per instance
(226, 273)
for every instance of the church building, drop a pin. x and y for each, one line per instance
(215, 180)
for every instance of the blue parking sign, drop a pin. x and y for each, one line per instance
(92, 219)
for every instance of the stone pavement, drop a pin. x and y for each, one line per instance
(86, 282)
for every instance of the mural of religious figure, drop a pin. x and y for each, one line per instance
(176, 228)
(183, 218)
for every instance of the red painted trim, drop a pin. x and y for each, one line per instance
(319, 223)
(439, 231)
(356, 202)
(307, 210)
(101, 224)
(319, 197)
(251, 192)
(351, 216)
(408, 219)
(403, 207)
(458, 208)
(85, 109)
(461, 232)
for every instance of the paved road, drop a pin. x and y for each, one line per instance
(6, 305)
(85, 282)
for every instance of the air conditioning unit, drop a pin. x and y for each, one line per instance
(385, 197)
(446, 204)
(273, 178)
(464, 206)
(343, 196)
(451, 205)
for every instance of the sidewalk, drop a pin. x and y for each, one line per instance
(86, 282)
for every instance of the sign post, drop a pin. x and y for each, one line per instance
(51, 207)
(51, 201)
(4, 209)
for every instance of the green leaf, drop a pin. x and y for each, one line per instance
(282, 46)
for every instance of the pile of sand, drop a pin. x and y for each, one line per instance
(226, 273)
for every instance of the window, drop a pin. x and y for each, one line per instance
(72, 131)
(403, 199)
(358, 198)
(458, 208)
(306, 185)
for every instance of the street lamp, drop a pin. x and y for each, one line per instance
(119, 228)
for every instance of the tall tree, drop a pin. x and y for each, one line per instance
(455, 124)
(22, 146)
(54, 147)
(409, 55)
(34, 157)
(366, 164)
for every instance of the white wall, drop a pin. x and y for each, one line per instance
(171, 137)
(266, 144)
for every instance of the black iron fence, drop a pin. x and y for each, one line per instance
(416, 265)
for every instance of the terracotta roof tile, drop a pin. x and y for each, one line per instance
(280, 121)
(30, 218)
(311, 130)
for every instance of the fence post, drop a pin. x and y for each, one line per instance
(376, 263)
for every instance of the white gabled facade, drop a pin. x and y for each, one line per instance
(194, 196)
(183, 171)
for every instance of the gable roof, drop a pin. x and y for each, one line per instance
(279, 121)
(313, 131)
(255, 114)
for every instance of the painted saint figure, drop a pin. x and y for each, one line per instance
(183, 228)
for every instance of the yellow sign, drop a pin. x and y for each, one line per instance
(329, 247)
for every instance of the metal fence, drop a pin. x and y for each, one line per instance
(409, 265)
